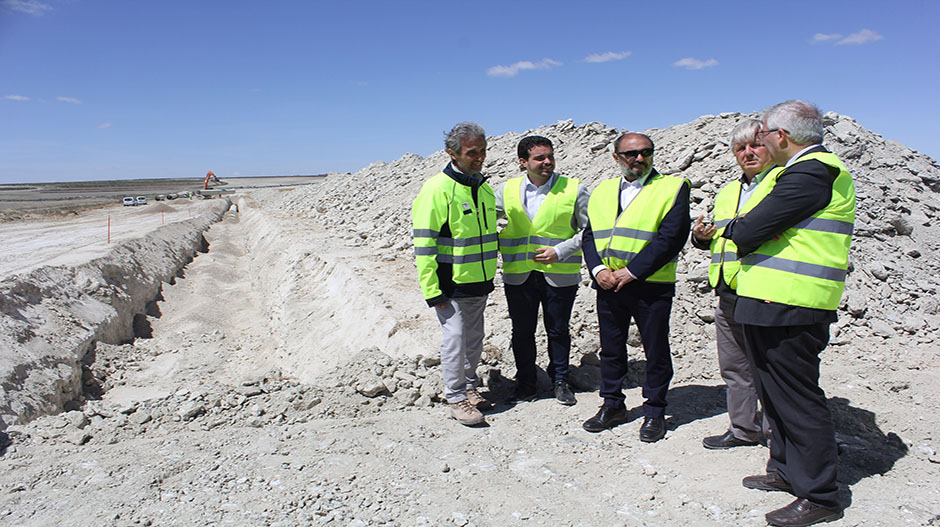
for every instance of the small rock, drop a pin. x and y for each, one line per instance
(190, 410)
(76, 419)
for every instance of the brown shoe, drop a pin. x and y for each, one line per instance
(771, 482)
(465, 413)
(477, 400)
(802, 513)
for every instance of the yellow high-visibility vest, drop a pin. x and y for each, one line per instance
(806, 265)
(551, 226)
(724, 252)
(472, 245)
(619, 239)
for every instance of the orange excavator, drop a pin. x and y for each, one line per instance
(209, 177)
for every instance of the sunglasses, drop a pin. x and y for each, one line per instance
(629, 154)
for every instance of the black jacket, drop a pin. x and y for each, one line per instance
(802, 190)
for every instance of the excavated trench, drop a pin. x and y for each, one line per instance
(314, 309)
(52, 318)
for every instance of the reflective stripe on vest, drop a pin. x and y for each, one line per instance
(724, 260)
(806, 265)
(619, 239)
(550, 226)
(472, 246)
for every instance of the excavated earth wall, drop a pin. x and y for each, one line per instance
(52, 318)
(316, 327)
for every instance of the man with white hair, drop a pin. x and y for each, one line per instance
(793, 243)
(746, 427)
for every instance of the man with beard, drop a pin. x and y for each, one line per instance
(637, 224)
(455, 240)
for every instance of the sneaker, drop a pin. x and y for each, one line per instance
(563, 393)
(465, 413)
(476, 399)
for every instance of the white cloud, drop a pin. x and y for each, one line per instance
(513, 70)
(16, 97)
(30, 7)
(104, 125)
(694, 64)
(68, 99)
(607, 57)
(822, 37)
(862, 37)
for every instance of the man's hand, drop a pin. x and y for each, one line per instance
(622, 277)
(605, 279)
(701, 231)
(546, 255)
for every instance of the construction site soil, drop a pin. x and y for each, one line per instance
(267, 359)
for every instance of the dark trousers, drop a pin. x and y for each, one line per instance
(802, 441)
(649, 305)
(524, 301)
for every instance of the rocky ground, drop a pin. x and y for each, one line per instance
(283, 372)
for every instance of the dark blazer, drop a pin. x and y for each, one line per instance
(802, 190)
(670, 238)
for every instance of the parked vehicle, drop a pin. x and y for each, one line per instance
(141, 200)
(129, 201)
(160, 197)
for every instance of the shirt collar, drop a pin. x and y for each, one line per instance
(548, 184)
(636, 183)
(800, 153)
(757, 177)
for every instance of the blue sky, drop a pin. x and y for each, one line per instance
(114, 89)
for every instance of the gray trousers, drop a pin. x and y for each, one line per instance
(736, 372)
(462, 325)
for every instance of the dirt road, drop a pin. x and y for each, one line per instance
(74, 239)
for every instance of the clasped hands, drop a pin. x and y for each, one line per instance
(615, 280)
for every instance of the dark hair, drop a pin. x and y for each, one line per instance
(530, 142)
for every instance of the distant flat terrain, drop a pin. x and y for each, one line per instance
(19, 200)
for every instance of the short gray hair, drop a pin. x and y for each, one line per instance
(744, 131)
(461, 131)
(802, 121)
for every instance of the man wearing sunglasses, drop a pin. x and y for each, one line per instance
(637, 224)
(794, 244)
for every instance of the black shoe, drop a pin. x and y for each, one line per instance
(801, 513)
(563, 393)
(523, 395)
(725, 441)
(653, 429)
(770, 482)
(606, 417)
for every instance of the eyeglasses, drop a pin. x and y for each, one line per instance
(629, 154)
(762, 133)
